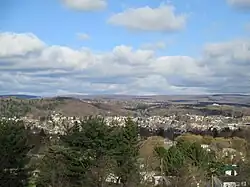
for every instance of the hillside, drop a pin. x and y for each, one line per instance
(20, 96)
(229, 99)
(67, 106)
(13, 105)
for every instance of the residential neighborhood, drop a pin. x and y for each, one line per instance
(58, 124)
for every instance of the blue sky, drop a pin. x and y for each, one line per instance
(126, 47)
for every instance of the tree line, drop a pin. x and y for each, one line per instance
(94, 154)
(87, 155)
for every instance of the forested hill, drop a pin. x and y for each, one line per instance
(20, 96)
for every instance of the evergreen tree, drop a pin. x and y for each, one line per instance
(53, 168)
(14, 148)
(126, 153)
(84, 155)
(184, 155)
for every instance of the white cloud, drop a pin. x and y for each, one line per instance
(243, 4)
(83, 36)
(235, 52)
(27, 64)
(162, 19)
(85, 5)
(184, 66)
(229, 60)
(19, 44)
(154, 46)
(124, 54)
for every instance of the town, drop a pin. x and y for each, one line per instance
(58, 124)
(225, 134)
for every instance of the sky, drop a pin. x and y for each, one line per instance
(144, 47)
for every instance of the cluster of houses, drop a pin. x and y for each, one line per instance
(57, 123)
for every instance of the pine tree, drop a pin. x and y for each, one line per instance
(83, 156)
(14, 148)
(126, 153)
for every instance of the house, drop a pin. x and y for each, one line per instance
(158, 180)
(206, 147)
(230, 170)
(233, 181)
(227, 181)
(112, 178)
(155, 179)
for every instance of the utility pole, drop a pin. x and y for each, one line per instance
(212, 180)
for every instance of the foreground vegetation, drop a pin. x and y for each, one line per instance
(93, 154)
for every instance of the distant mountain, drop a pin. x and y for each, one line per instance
(231, 95)
(20, 96)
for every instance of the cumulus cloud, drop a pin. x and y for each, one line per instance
(233, 53)
(85, 5)
(162, 19)
(13, 44)
(28, 65)
(242, 4)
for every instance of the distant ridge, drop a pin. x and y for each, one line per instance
(20, 96)
(235, 95)
(233, 98)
